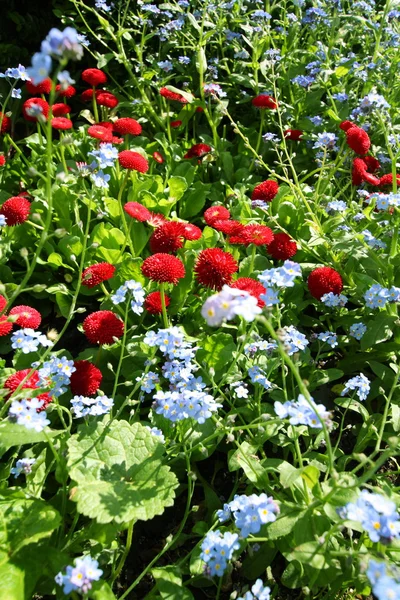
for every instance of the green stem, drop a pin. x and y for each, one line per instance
(128, 239)
(126, 551)
(163, 306)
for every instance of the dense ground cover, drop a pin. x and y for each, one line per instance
(199, 297)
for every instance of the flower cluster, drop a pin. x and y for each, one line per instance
(258, 592)
(360, 384)
(303, 412)
(55, 373)
(82, 406)
(136, 294)
(249, 513)
(217, 549)
(385, 584)
(29, 340)
(23, 465)
(228, 304)
(26, 413)
(377, 296)
(376, 513)
(79, 578)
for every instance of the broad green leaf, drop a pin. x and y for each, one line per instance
(256, 562)
(341, 71)
(101, 591)
(177, 186)
(24, 525)
(217, 350)
(194, 200)
(119, 473)
(12, 434)
(379, 330)
(169, 584)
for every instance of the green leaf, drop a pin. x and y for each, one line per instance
(169, 584)
(341, 71)
(187, 95)
(12, 434)
(24, 523)
(195, 200)
(119, 473)
(379, 330)
(177, 187)
(64, 304)
(256, 563)
(101, 591)
(218, 350)
(201, 61)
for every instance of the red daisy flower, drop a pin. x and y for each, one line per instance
(360, 173)
(176, 124)
(87, 95)
(346, 125)
(198, 151)
(163, 268)
(3, 303)
(96, 274)
(61, 123)
(44, 87)
(27, 316)
(5, 123)
(267, 190)
(264, 101)
(172, 96)
(102, 327)
(127, 125)
(107, 99)
(94, 77)
(324, 280)
(31, 383)
(228, 226)
(2, 160)
(191, 232)
(5, 326)
(100, 133)
(255, 288)
(169, 237)
(86, 380)
(33, 103)
(282, 247)
(60, 109)
(107, 125)
(158, 157)
(358, 140)
(259, 235)
(67, 92)
(216, 213)
(388, 180)
(293, 134)
(133, 161)
(137, 211)
(372, 163)
(153, 304)
(16, 210)
(214, 268)
(156, 219)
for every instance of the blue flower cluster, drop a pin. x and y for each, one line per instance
(376, 513)
(55, 373)
(23, 465)
(257, 375)
(258, 592)
(377, 296)
(328, 337)
(360, 383)
(371, 240)
(384, 585)
(136, 293)
(83, 406)
(28, 340)
(148, 381)
(280, 277)
(25, 413)
(157, 432)
(357, 330)
(370, 103)
(301, 412)
(63, 45)
(250, 513)
(293, 340)
(80, 577)
(333, 300)
(185, 397)
(217, 549)
(105, 156)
